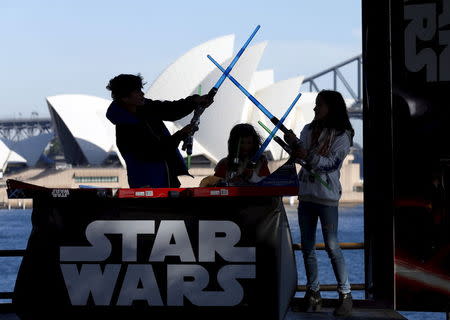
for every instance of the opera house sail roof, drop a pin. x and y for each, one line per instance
(88, 138)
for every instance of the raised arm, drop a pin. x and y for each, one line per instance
(175, 110)
(168, 110)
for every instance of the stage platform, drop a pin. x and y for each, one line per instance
(325, 314)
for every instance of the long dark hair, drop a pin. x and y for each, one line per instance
(240, 131)
(337, 117)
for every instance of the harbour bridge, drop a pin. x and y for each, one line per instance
(21, 128)
(341, 83)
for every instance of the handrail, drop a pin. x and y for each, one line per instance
(343, 245)
(12, 253)
(333, 287)
(6, 295)
(295, 246)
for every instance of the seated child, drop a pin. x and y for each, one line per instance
(243, 144)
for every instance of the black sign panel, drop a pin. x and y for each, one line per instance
(98, 257)
(420, 40)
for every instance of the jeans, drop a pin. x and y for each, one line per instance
(308, 213)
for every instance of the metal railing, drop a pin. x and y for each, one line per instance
(344, 246)
(295, 247)
(12, 253)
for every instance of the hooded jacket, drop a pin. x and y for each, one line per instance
(326, 166)
(150, 152)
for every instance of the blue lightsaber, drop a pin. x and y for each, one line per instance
(236, 58)
(272, 134)
(258, 104)
(188, 141)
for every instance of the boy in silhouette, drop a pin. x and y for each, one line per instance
(149, 150)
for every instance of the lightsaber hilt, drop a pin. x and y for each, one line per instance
(302, 162)
(283, 144)
(189, 140)
(282, 127)
(187, 145)
(277, 139)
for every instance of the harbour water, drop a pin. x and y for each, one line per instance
(15, 227)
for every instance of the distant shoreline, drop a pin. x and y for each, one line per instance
(26, 204)
(112, 177)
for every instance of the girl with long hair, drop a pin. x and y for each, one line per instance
(323, 145)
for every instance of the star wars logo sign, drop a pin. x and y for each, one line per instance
(427, 38)
(185, 280)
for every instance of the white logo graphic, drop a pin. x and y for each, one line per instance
(186, 280)
(426, 28)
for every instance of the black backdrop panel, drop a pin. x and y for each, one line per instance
(95, 257)
(421, 115)
(406, 56)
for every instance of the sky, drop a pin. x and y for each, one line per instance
(51, 47)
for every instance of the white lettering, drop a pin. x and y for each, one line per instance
(182, 246)
(149, 291)
(421, 29)
(100, 248)
(422, 26)
(90, 280)
(140, 281)
(210, 242)
(179, 286)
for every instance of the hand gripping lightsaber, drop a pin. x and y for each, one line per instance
(302, 162)
(277, 139)
(188, 142)
(272, 134)
(258, 104)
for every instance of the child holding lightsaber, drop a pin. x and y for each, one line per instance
(149, 150)
(243, 142)
(195, 122)
(292, 158)
(323, 145)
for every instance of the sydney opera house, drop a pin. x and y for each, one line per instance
(88, 138)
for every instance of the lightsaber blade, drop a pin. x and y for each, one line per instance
(272, 134)
(188, 142)
(236, 58)
(258, 104)
(248, 94)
